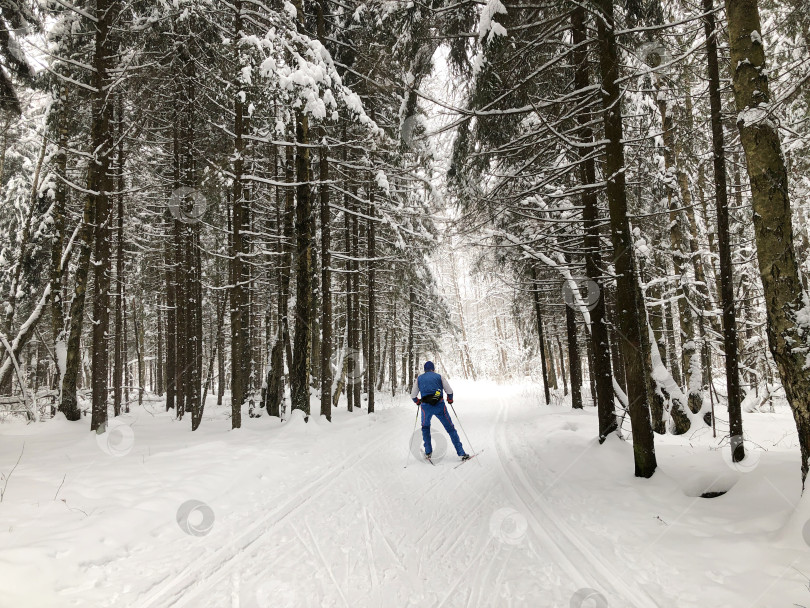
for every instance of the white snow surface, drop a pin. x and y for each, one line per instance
(298, 514)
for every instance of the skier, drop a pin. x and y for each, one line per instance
(432, 387)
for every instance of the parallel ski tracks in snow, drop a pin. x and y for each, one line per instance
(199, 576)
(441, 535)
(572, 553)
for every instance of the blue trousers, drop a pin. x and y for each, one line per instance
(440, 411)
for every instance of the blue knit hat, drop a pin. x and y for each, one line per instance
(429, 367)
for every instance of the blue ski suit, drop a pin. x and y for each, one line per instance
(427, 384)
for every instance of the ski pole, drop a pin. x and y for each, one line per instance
(410, 439)
(461, 426)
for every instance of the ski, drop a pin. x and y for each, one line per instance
(468, 460)
(429, 460)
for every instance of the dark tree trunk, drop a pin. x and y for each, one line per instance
(552, 365)
(125, 349)
(171, 314)
(69, 404)
(349, 358)
(326, 278)
(684, 293)
(599, 343)
(59, 210)
(574, 358)
(174, 329)
(159, 384)
(371, 364)
(299, 370)
(408, 374)
(100, 185)
(221, 356)
(563, 376)
(723, 237)
(181, 321)
(394, 349)
(773, 227)
(137, 326)
(539, 320)
(356, 370)
(239, 320)
(383, 360)
(627, 296)
(118, 365)
(284, 223)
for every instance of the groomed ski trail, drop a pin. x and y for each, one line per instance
(366, 532)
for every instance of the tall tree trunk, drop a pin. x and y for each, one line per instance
(118, 355)
(299, 370)
(326, 273)
(627, 296)
(125, 350)
(383, 360)
(539, 320)
(192, 270)
(171, 314)
(239, 320)
(371, 363)
(574, 358)
(159, 380)
(408, 374)
(59, 211)
(552, 365)
(599, 347)
(773, 228)
(349, 360)
(355, 342)
(394, 338)
(182, 344)
(100, 186)
(137, 327)
(284, 226)
(690, 362)
(563, 375)
(723, 236)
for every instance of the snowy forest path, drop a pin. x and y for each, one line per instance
(311, 514)
(368, 533)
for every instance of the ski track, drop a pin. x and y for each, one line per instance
(582, 561)
(198, 577)
(451, 559)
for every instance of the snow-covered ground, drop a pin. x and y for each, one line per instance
(297, 515)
